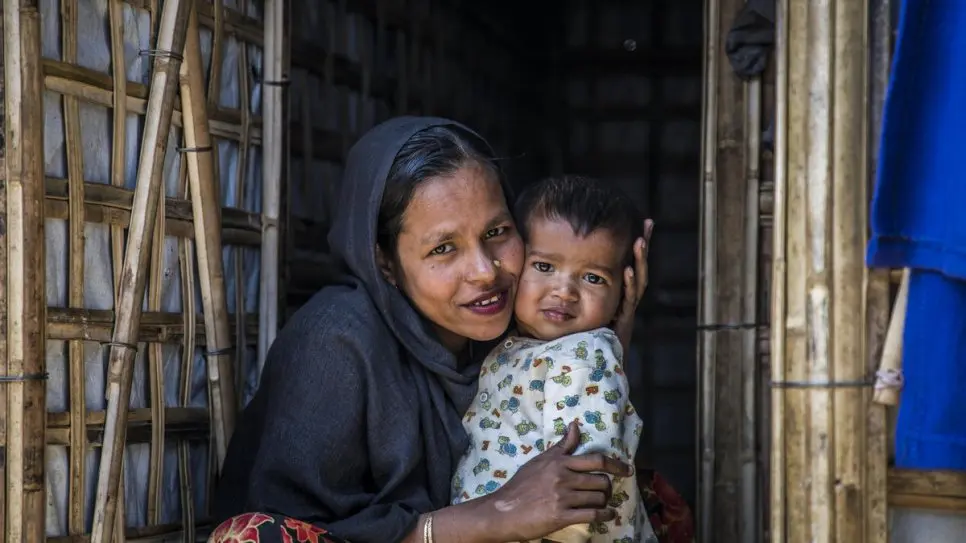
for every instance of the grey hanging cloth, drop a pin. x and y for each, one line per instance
(751, 36)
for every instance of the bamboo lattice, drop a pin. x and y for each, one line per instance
(94, 121)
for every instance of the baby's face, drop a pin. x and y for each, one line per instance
(569, 283)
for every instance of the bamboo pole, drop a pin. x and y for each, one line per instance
(889, 375)
(777, 481)
(820, 312)
(206, 210)
(272, 112)
(26, 300)
(750, 526)
(707, 309)
(4, 362)
(170, 45)
(77, 492)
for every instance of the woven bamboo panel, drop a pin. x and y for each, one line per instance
(94, 120)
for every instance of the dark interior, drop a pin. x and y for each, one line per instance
(608, 88)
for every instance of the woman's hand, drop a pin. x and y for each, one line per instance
(555, 490)
(635, 283)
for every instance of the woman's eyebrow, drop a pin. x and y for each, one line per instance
(437, 237)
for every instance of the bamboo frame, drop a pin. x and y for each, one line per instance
(25, 289)
(171, 38)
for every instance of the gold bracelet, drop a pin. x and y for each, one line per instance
(428, 529)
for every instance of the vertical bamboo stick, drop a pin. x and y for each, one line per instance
(777, 481)
(76, 493)
(169, 47)
(849, 204)
(155, 356)
(4, 362)
(26, 300)
(798, 419)
(707, 310)
(750, 526)
(207, 223)
(240, 179)
(272, 141)
(189, 313)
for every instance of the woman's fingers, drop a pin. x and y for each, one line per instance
(596, 482)
(570, 440)
(596, 462)
(585, 499)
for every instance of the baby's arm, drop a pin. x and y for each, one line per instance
(586, 383)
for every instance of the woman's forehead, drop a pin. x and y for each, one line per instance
(469, 199)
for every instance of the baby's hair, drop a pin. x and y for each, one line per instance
(586, 203)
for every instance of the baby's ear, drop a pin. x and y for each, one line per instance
(385, 265)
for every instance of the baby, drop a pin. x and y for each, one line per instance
(562, 363)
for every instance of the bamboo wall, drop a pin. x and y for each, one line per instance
(111, 268)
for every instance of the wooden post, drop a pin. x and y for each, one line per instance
(26, 303)
(822, 390)
(167, 56)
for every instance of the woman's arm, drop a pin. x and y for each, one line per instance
(548, 493)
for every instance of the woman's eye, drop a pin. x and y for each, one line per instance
(442, 249)
(594, 279)
(542, 267)
(494, 232)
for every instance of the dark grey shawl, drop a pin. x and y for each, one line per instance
(356, 424)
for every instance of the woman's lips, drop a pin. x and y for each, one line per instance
(490, 304)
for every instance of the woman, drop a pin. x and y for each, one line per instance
(356, 424)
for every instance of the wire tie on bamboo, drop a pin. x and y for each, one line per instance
(823, 384)
(204, 149)
(889, 378)
(160, 53)
(220, 352)
(121, 344)
(25, 377)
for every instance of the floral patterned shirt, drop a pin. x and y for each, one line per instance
(529, 391)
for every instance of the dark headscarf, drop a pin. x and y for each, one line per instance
(356, 426)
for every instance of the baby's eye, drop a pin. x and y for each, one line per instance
(494, 232)
(442, 249)
(542, 267)
(595, 279)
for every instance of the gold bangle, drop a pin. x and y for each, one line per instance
(428, 529)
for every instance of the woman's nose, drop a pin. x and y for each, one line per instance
(483, 268)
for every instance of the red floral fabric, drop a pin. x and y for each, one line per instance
(263, 528)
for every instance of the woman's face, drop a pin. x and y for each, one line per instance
(459, 256)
